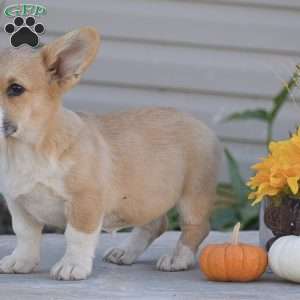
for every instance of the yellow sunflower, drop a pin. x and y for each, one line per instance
(278, 171)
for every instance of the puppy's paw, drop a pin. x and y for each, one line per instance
(120, 256)
(67, 269)
(15, 264)
(170, 263)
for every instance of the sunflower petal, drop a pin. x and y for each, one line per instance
(293, 184)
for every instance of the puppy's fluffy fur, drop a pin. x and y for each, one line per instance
(88, 173)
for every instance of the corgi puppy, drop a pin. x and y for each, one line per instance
(88, 173)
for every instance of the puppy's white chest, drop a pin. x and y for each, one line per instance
(21, 169)
(36, 183)
(44, 205)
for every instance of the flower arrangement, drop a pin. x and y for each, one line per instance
(278, 174)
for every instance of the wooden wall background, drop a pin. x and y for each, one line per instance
(207, 57)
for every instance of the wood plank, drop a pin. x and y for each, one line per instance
(191, 23)
(270, 4)
(212, 71)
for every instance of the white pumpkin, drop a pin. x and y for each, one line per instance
(284, 257)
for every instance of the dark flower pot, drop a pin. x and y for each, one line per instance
(283, 219)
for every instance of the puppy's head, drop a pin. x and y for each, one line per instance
(32, 81)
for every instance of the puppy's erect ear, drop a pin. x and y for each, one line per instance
(69, 56)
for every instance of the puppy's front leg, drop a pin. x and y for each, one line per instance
(26, 255)
(82, 233)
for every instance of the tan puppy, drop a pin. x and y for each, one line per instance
(88, 173)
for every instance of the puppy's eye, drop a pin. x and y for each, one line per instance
(15, 90)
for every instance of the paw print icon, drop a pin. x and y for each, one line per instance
(24, 31)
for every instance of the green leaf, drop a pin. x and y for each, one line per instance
(173, 218)
(283, 95)
(224, 189)
(240, 189)
(249, 215)
(223, 218)
(249, 211)
(256, 114)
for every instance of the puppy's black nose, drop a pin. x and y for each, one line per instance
(9, 128)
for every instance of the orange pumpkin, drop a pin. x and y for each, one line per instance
(233, 261)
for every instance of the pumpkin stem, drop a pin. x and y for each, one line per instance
(235, 234)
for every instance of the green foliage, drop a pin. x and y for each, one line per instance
(173, 218)
(268, 116)
(282, 96)
(259, 114)
(239, 209)
(264, 115)
(239, 187)
(5, 219)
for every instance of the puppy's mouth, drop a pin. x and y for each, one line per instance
(9, 128)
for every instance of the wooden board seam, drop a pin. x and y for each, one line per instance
(256, 97)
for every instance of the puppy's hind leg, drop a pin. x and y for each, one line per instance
(195, 214)
(138, 241)
(195, 208)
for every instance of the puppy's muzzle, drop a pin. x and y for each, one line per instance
(9, 128)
